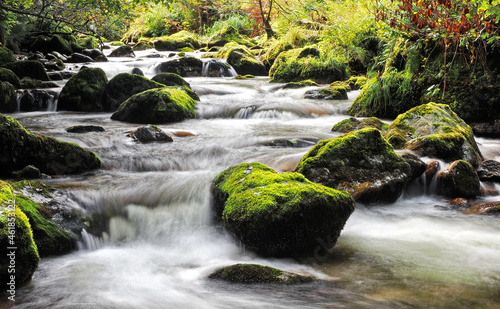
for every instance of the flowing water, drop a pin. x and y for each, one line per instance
(161, 243)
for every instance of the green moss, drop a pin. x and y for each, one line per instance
(123, 86)
(434, 130)
(8, 103)
(26, 253)
(229, 34)
(294, 65)
(116, 43)
(6, 56)
(278, 214)
(28, 68)
(253, 273)
(241, 59)
(177, 41)
(19, 148)
(353, 124)
(301, 84)
(7, 75)
(84, 42)
(357, 82)
(84, 91)
(156, 106)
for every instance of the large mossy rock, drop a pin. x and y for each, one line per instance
(254, 273)
(170, 79)
(360, 162)
(8, 102)
(6, 56)
(26, 254)
(306, 63)
(459, 179)
(279, 214)
(28, 68)
(176, 41)
(229, 34)
(46, 44)
(185, 67)
(19, 148)
(7, 75)
(434, 130)
(84, 91)
(354, 124)
(157, 106)
(123, 86)
(50, 238)
(123, 51)
(242, 60)
(327, 93)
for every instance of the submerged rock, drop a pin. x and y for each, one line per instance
(123, 86)
(185, 67)
(434, 130)
(157, 106)
(489, 171)
(26, 255)
(84, 129)
(254, 273)
(84, 91)
(459, 179)
(151, 133)
(353, 124)
(279, 214)
(361, 163)
(19, 148)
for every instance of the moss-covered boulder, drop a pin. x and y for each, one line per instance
(434, 130)
(19, 148)
(354, 124)
(7, 75)
(6, 55)
(301, 84)
(241, 59)
(123, 51)
(459, 179)
(360, 162)
(84, 91)
(254, 273)
(157, 106)
(8, 102)
(25, 258)
(185, 67)
(489, 171)
(177, 41)
(50, 238)
(306, 63)
(123, 86)
(229, 34)
(28, 68)
(327, 93)
(48, 44)
(170, 79)
(55, 65)
(278, 214)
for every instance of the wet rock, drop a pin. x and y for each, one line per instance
(489, 171)
(157, 106)
(459, 179)
(101, 58)
(55, 76)
(434, 130)
(92, 53)
(19, 148)
(37, 56)
(278, 214)
(84, 129)
(8, 103)
(242, 60)
(7, 75)
(84, 91)
(56, 65)
(137, 71)
(28, 68)
(292, 143)
(170, 79)
(353, 124)
(28, 172)
(229, 34)
(185, 67)
(431, 171)
(26, 254)
(487, 129)
(47, 44)
(79, 58)
(253, 273)
(59, 56)
(176, 41)
(418, 167)
(361, 163)
(123, 86)
(301, 84)
(36, 100)
(492, 208)
(151, 133)
(216, 68)
(123, 51)
(328, 93)
(6, 56)
(459, 202)
(140, 46)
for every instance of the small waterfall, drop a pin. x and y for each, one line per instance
(30, 100)
(217, 68)
(19, 95)
(245, 112)
(90, 242)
